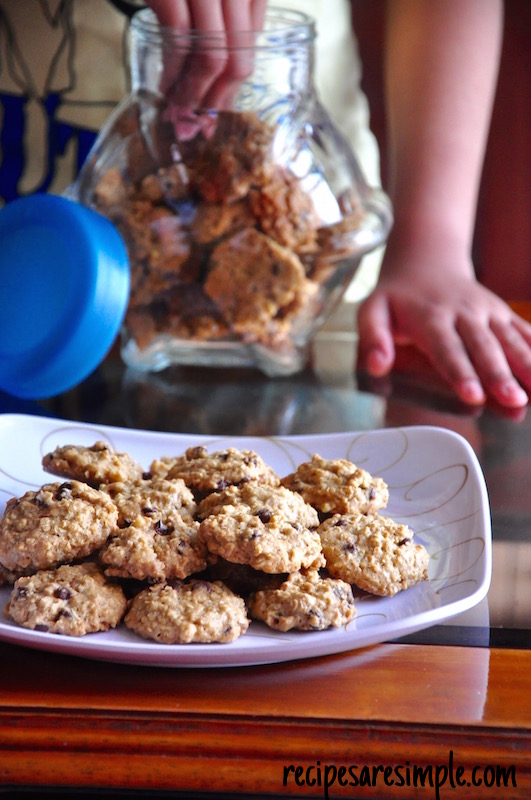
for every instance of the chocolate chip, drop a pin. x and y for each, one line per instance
(64, 492)
(42, 628)
(162, 529)
(264, 515)
(196, 452)
(204, 585)
(339, 592)
(62, 593)
(159, 310)
(315, 619)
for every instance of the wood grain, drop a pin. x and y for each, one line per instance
(73, 722)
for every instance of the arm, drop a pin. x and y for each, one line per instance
(441, 69)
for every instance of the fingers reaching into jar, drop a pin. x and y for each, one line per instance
(229, 15)
(213, 56)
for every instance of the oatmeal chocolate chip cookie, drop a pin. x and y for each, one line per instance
(111, 190)
(150, 549)
(156, 498)
(204, 472)
(265, 539)
(254, 280)
(72, 600)
(334, 238)
(193, 315)
(213, 221)
(169, 183)
(285, 212)
(170, 265)
(373, 552)
(94, 465)
(58, 523)
(160, 467)
(336, 243)
(184, 313)
(266, 502)
(180, 613)
(337, 486)
(305, 601)
(238, 154)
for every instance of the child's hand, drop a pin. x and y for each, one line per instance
(469, 335)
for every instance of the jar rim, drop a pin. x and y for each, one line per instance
(283, 26)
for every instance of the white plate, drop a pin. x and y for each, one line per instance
(436, 487)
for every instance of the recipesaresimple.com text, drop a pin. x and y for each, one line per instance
(431, 777)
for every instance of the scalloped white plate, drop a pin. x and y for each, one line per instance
(436, 487)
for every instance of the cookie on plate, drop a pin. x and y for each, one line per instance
(150, 549)
(73, 600)
(262, 500)
(373, 552)
(204, 472)
(270, 530)
(195, 611)
(156, 498)
(59, 522)
(94, 465)
(306, 602)
(338, 486)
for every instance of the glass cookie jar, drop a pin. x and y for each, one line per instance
(243, 209)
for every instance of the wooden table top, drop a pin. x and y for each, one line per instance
(454, 703)
(66, 721)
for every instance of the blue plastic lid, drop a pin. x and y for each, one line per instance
(64, 287)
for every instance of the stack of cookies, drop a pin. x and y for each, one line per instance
(225, 244)
(199, 545)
